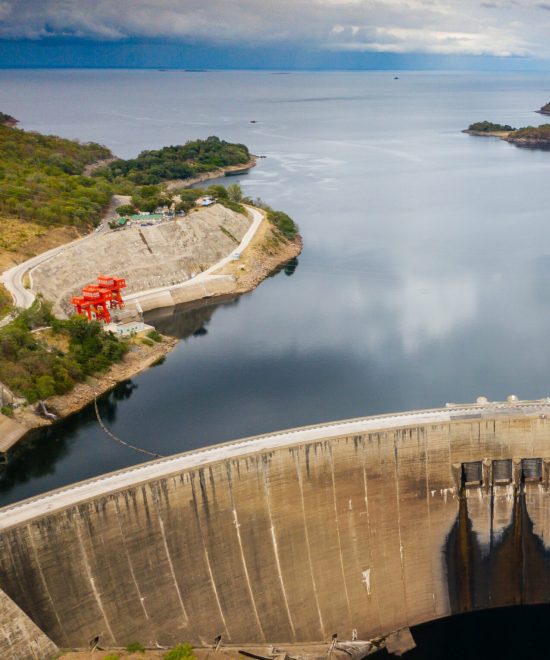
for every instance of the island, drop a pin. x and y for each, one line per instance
(545, 110)
(487, 128)
(71, 211)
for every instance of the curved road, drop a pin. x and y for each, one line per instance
(12, 279)
(257, 218)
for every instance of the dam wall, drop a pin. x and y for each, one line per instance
(354, 528)
(20, 638)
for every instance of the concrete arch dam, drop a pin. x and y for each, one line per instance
(368, 525)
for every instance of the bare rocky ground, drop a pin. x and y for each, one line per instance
(148, 257)
(303, 652)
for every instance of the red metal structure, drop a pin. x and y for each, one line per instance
(97, 299)
(115, 285)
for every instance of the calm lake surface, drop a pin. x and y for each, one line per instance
(425, 275)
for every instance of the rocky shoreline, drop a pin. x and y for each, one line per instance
(503, 135)
(139, 358)
(215, 174)
(525, 141)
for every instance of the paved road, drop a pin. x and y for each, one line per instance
(13, 278)
(114, 481)
(257, 218)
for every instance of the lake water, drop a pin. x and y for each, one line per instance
(425, 275)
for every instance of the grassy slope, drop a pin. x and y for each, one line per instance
(44, 199)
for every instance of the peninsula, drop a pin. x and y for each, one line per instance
(69, 211)
(488, 128)
(530, 137)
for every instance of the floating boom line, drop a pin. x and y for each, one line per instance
(117, 439)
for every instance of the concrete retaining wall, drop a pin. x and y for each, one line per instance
(20, 639)
(370, 528)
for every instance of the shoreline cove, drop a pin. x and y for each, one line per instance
(259, 265)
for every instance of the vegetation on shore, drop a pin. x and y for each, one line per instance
(49, 195)
(48, 192)
(36, 364)
(42, 178)
(527, 136)
(490, 127)
(532, 134)
(176, 162)
(233, 198)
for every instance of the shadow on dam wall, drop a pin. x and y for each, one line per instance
(513, 569)
(351, 528)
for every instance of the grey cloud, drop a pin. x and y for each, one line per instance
(433, 26)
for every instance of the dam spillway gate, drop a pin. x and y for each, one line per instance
(497, 551)
(355, 528)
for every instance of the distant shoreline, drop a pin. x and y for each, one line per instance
(516, 138)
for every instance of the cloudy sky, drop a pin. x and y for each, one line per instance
(507, 29)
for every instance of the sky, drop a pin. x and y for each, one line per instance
(276, 33)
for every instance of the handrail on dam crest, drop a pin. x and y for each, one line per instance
(65, 496)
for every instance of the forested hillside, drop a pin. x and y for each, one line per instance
(177, 162)
(46, 197)
(41, 179)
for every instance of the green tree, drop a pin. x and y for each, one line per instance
(284, 223)
(218, 191)
(235, 193)
(45, 386)
(180, 652)
(126, 209)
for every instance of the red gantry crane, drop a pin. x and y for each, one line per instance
(97, 299)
